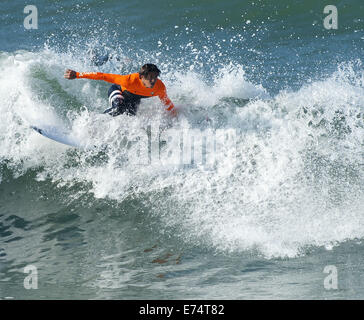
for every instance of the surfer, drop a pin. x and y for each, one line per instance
(127, 90)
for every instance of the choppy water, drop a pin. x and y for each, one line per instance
(97, 224)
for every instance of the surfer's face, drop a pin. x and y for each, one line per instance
(149, 80)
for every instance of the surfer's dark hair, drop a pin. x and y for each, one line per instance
(148, 69)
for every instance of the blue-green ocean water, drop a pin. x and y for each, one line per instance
(97, 225)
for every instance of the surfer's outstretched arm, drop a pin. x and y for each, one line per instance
(108, 77)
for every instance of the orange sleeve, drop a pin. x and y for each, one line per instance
(164, 98)
(109, 77)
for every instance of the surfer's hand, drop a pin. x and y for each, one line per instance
(173, 113)
(70, 74)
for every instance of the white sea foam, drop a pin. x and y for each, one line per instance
(298, 176)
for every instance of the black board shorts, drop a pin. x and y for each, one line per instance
(122, 102)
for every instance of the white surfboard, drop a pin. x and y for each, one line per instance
(58, 135)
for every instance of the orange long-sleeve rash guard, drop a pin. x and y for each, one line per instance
(132, 84)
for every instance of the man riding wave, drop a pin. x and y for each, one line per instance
(127, 90)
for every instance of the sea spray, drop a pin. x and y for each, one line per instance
(297, 174)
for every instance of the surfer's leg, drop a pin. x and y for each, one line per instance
(116, 100)
(97, 58)
(119, 103)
